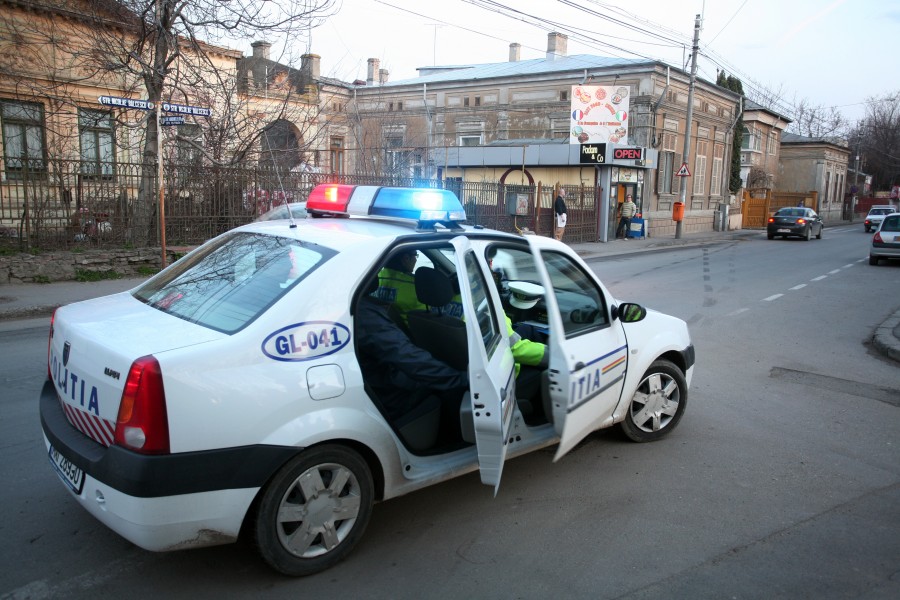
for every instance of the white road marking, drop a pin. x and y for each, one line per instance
(737, 312)
(819, 278)
(770, 298)
(799, 287)
(833, 272)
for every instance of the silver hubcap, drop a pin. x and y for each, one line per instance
(318, 510)
(655, 402)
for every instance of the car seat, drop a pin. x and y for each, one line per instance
(441, 335)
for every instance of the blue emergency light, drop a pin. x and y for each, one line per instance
(425, 206)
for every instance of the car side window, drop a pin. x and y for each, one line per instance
(582, 304)
(484, 310)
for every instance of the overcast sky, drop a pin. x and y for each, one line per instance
(828, 52)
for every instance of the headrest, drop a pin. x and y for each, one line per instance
(432, 287)
(525, 295)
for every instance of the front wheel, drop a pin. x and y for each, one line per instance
(657, 404)
(314, 510)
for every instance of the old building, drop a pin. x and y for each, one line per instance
(815, 164)
(452, 121)
(761, 145)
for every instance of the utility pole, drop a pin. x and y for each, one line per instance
(856, 182)
(690, 114)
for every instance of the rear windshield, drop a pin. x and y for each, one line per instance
(229, 283)
(891, 224)
(881, 211)
(791, 212)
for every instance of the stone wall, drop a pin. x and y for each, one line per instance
(64, 266)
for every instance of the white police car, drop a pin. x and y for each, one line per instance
(228, 393)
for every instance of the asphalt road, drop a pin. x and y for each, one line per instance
(782, 480)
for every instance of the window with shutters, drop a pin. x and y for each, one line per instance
(700, 168)
(715, 179)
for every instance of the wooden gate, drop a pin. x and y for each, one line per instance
(760, 203)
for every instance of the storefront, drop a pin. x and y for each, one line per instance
(617, 170)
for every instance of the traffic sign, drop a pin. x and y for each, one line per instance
(125, 102)
(182, 109)
(683, 171)
(171, 121)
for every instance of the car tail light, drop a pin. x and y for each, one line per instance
(143, 423)
(50, 343)
(868, 222)
(877, 238)
(771, 219)
(801, 221)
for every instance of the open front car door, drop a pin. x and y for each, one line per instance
(491, 365)
(588, 349)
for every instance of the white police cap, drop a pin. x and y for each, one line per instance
(524, 295)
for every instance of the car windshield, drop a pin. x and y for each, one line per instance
(231, 281)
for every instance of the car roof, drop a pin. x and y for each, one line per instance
(342, 234)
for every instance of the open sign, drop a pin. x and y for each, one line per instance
(628, 154)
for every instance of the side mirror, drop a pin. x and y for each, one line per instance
(629, 312)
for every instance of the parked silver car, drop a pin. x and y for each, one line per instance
(886, 241)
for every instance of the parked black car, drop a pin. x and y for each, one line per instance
(795, 221)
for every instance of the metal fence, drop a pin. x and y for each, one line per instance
(67, 205)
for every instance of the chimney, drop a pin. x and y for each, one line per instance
(309, 66)
(261, 49)
(556, 45)
(373, 70)
(515, 52)
(383, 76)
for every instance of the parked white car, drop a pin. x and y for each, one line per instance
(230, 393)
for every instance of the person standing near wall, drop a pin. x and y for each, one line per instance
(559, 207)
(626, 212)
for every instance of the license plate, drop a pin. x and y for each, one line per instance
(783, 231)
(71, 475)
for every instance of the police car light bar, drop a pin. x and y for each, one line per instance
(330, 198)
(422, 205)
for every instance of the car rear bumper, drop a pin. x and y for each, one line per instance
(885, 251)
(161, 502)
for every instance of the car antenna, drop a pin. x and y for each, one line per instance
(278, 176)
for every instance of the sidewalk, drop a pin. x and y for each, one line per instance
(31, 300)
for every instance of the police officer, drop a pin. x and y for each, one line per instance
(397, 284)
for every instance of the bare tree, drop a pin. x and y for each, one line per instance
(818, 122)
(877, 139)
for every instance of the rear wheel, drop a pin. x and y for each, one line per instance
(821, 231)
(771, 236)
(873, 260)
(657, 404)
(808, 234)
(314, 510)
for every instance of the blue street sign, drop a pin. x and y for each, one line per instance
(181, 109)
(171, 121)
(125, 102)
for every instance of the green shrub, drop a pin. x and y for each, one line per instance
(41, 279)
(145, 270)
(84, 275)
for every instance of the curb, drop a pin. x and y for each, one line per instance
(885, 339)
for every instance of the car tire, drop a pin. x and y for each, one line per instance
(868, 230)
(808, 235)
(657, 404)
(313, 511)
(821, 231)
(771, 236)
(873, 260)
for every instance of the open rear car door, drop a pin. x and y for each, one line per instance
(491, 365)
